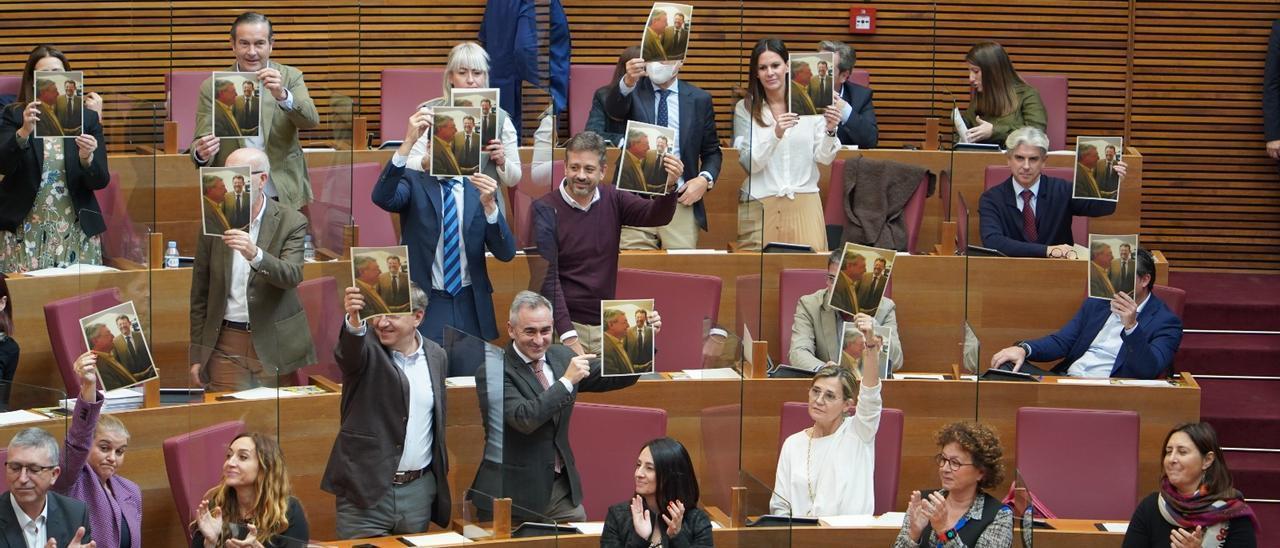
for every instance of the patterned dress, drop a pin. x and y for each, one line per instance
(50, 236)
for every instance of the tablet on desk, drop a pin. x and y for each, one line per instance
(784, 247)
(775, 520)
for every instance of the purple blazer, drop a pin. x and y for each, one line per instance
(80, 481)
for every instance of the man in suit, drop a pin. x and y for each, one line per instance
(393, 286)
(1127, 337)
(675, 39)
(639, 342)
(652, 46)
(225, 123)
(389, 466)
(1271, 93)
(367, 275)
(443, 160)
(857, 114)
(1122, 271)
(801, 103)
(655, 175)
(815, 332)
(214, 203)
(30, 515)
(448, 225)
(465, 147)
(1086, 184)
(1105, 174)
(540, 383)
(1029, 214)
(50, 124)
(286, 108)
(821, 87)
(871, 289)
(70, 108)
(236, 205)
(632, 167)
(113, 372)
(130, 350)
(247, 109)
(244, 299)
(617, 358)
(848, 282)
(1100, 260)
(654, 94)
(488, 122)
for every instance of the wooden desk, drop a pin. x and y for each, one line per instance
(308, 425)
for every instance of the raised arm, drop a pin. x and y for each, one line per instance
(84, 421)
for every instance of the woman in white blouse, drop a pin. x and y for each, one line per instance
(828, 468)
(781, 151)
(468, 68)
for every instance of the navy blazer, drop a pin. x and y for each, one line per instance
(1145, 354)
(416, 197)
(1001, 221)
(861, 128)
(23, 171)
(1271, 86)
(699, 145)
(64, 516)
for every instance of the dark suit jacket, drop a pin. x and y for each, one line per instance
(23, 169)
(861, 128)
(371, 437)
(1145, 354)
(600, 122)
(534, 429)
(699, 145)
(1001, 222)
(65, 515)
(1271, 86)
(281, 334)
(416, 197)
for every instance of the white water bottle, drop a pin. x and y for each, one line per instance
(171, 255)
(308, 249)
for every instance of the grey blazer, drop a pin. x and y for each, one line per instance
(815, 333)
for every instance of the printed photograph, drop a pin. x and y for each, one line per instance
(237, 105)
(115, 336)
(666, 32)
(627, 343)
(1112, 265)
(640, 166)
(852, 345)
(813, 85)
(382, 275)
(1095, 175)
(486, 99)
(864, 274)
(61, 96)
(455, 141)
(226, 194)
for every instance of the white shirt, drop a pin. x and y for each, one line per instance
(459, 194)
(238, 286)
(546, 369)
(1100, 358)
(564, 193)
(840, 467)
(418, 437)
(781, 167)
(508, 174)
(34, 531)
(1035, 194)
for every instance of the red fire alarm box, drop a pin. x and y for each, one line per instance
(862, 20)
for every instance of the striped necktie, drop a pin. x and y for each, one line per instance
(451, 259)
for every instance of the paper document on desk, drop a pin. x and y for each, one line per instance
(713, 374)
(889, 519)
(19, 417)
(1158, 383)
(962, 129)
(589, 527)
(921, 376)
(1096, 382)
(436, 539)
(462, 381)
(267, 393)
(1120, 527)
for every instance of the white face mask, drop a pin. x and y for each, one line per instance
(661, 73)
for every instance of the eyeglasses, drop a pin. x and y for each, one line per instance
(32, 469)
(822, 396)
(951, 464)
(1059, 253)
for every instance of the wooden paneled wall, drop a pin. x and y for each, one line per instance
(1180, 80)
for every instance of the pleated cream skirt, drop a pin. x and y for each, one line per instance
(780, 219)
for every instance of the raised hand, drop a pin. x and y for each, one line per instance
(640, 518)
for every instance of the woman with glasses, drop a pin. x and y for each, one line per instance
(961, 513)
(827, 469)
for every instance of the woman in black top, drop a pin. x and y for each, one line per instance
(8, 347)
(1196, 504)
(254, 506)
(666, 487)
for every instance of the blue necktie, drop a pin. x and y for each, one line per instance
(452, 260)
(662, 106)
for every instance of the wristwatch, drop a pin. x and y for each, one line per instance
(711, 183)
(1025, 347)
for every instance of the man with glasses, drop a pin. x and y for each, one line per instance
(29, 511)
(815, 333)
(1029, 214)
(857, 114)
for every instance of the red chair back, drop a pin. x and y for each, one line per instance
(584, 80)
(860, 77)
(608, 438)
(330, 213)
(121, 240)
(376, 228)
(402, 91)
(193, 462)
(1173, 297)
(522, 197)
(10, 85)
(686, 302)
(1053, 91)
(62, 319)
(833, 205)
(182, 91)
(1079, 225)
(1052, 440)
(794, 283)
(795, 417)
(324, 315)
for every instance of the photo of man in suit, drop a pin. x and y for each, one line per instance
(1100, 258)
(1126, 336)
(853, 342)
(285, 109)
(365, 276)
(225, 124)
(541, 381)
(1105, 174)
(655, 174)
(444, 163)
(488, 122)
(1086, 183)
(70, 108)
(871, 288)
(393, 285)
(50, 124)
(848, 283)
(631, 168)
(466, 146)
(640, 340)
(651, 47)
(214, 191)
(858, 125)
(130, 349)
(675, 39)
(821, 88)
(801, 77)
(112, 371)
(235, 205)
(30, 503)
(249, 278)
(617, 359)
(815, 329)
(247, 108)
(1122, 270)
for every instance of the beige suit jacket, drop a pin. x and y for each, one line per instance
(279, 132)
(815, 333)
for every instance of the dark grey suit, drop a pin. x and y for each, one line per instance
(535, 429)
(65, 515)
